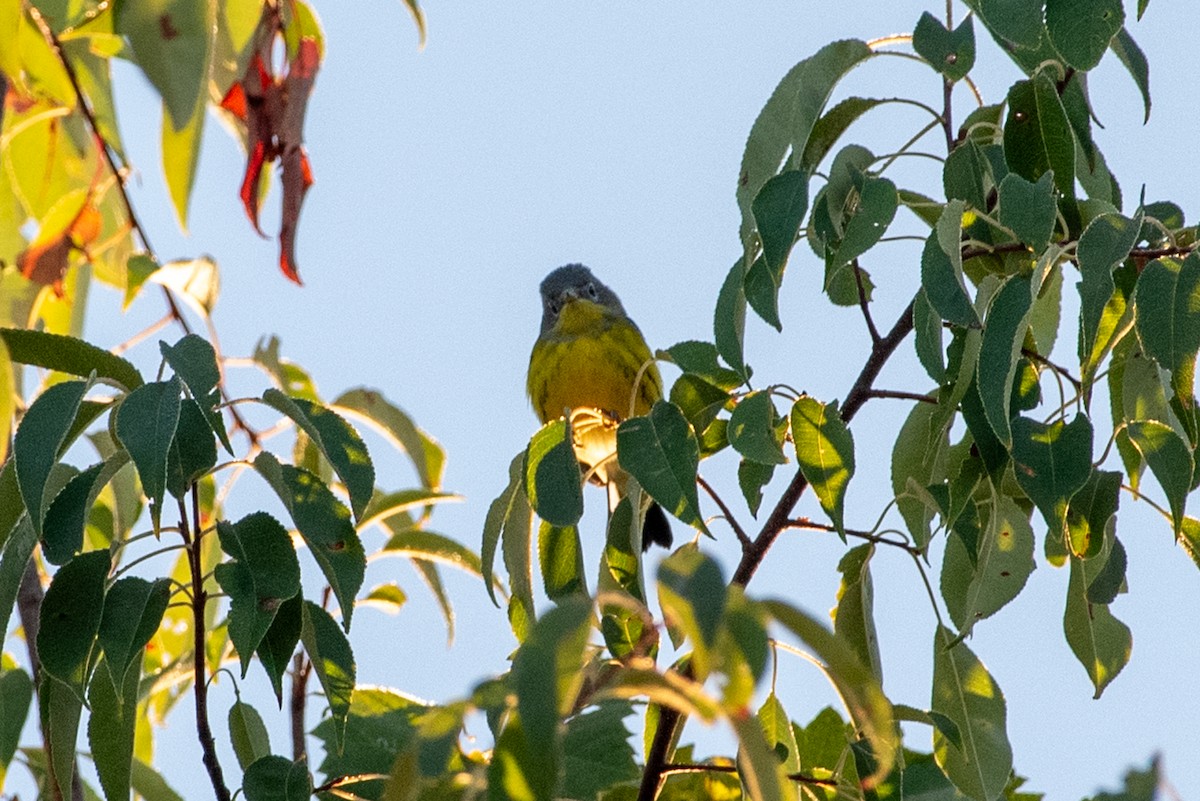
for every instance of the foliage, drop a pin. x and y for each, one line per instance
(1028, 202)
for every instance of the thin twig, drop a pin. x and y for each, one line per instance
(897, 394)
(804, 522)
(199, 598)
(701, 767)
(862, 302)
(1062, 371)
(728, 515)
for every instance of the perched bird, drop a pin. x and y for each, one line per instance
(591, 364)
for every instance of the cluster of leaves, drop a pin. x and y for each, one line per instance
(1027, 198)
(127, 647)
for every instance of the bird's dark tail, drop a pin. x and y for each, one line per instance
(656, 530)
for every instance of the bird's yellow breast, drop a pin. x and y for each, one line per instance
(591, 358)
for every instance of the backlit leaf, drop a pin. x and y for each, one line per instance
(824, 452)
(333, 662)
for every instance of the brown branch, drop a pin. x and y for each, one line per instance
(804, 522)
(199, 597)
(728, 515)
(1062, 371)
(301, 668)
(752, 555)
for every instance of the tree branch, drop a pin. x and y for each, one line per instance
(200, 678)
(752, 554)
(862, 302)
(804, 522)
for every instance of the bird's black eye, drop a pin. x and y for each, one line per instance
(591, 291)
(553, 307)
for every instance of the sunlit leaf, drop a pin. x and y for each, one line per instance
(691, 591)
(966, 693)
(1051, 463)
(338, 441)
(1167, 302)
(333, 662)
(1169, 459)
(324, 523)
(824, 452)
(1100, 642)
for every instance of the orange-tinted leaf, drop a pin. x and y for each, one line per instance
(235, 101)
(46, 264)
(297, 177)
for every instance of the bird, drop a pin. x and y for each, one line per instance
(591, 364)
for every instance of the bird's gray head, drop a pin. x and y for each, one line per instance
(574, 282)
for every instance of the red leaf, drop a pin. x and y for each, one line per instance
(249, 190)
(297, 178)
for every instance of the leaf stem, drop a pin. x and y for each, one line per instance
(728, 515)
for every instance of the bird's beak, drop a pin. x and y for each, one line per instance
(569, 294)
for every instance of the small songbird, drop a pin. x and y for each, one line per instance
(591, 364)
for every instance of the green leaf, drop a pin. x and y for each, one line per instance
(1017, 21)
(150, 785)
(71, 612)
(1003, 335)
(699, 400)
(16, 696)
(560, 554)
(596, 751)
(1100, 642)
(332, 660)
(950, 53)
(861, 692)
(854, 615)
(263, 574)
(825, 453)
(661, 452)
(553, 481)
(546, 677)
(111, 724)
(1081, 30)
(193, 450)
(1167, 303)
(195, 361)
(68, 355)
(1029, 209)
(977, 588)
(919, 459)
(15, 556)
(248, 734)
(753, 429)
(777, 728)
(339, 443)
(508, 522)
(275, 650)
(68, 513)
(729, 319)
(387, 597)
(180, 143)
(171, 43)
(1128, 52)
(830, 127)
(967, 694)
(788, 118)
(146, 422)
(274, 778)
(1104, 244)
(133, 610)
(779, 209)
(1140, 785)
(1037, 136)
(762, 293)
(927, 334)
(1089, 513)
(324, 523)
(967, 176)
(877, 202)
(1169, 458)
(752, 477)
(701, 359)
(1110, 581)
(941, 272)
(1051, 463)
(61, 707)
(428, 457)
(691, 591)
(42, 434)
(758, 767)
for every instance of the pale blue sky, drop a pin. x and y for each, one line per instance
(450, 181)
